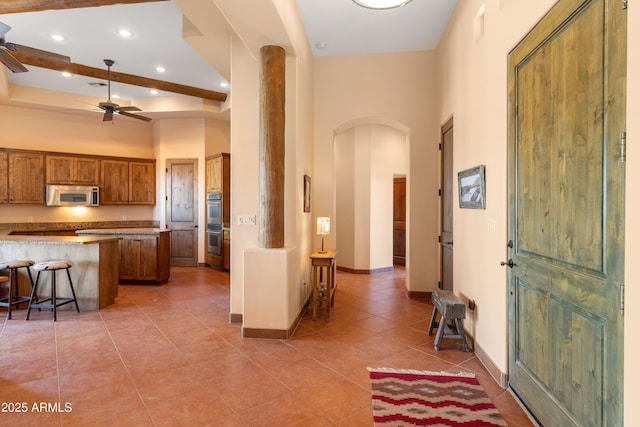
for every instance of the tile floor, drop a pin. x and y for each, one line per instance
(167, 356)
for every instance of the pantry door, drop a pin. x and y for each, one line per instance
(182, 210)
(567, 90)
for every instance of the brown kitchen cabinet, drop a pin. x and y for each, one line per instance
(124, 182)
(226, 250)
(144, 253)
(26, 177)
(73, 170)
(4, 177)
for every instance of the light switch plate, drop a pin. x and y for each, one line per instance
(246, 220)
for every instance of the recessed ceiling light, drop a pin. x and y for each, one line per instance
(224, 84)
(66, 74)
(125, 33)
(115, 95)
(381, 4)
(160, 69)
(153, 92)
(57, 37)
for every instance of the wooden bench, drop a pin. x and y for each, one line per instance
(452, 311)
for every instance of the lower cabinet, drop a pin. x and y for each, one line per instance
(145, 257)
(145, 253)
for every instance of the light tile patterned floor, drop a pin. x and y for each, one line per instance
(167, 356)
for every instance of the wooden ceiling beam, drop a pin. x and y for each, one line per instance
(20, 6)
(130, 79)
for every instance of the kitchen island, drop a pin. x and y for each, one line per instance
(95, 268)
(145, 253)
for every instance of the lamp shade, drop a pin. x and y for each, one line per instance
(323, 225)
(381, 4)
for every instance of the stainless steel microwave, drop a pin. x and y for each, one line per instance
(73, 195)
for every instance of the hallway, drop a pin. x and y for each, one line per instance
(167, 356)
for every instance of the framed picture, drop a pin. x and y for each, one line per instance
(307, 193)
(471, 188)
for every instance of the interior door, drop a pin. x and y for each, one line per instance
(182, 211)
(446, 206)
(567, 88)
(399, 220)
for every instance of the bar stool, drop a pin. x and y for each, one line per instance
(14, 297)
(54, 301)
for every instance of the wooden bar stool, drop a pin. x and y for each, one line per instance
(54, 301)
(14, 297)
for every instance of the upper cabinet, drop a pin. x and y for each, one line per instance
(4, 177)
(73, 170)
(26, 177)
(214, 173)
(142, 183)
(125, 182)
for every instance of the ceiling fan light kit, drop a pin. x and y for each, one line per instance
(381, 4)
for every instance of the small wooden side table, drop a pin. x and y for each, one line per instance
(319, 263)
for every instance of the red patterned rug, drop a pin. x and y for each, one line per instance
(420, 398)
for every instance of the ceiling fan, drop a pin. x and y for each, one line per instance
(110, 107)
(12, 63)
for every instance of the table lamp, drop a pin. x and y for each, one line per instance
(323, 228)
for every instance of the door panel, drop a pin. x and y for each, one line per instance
(566, 210)
(182, 211)
(399, 220)
(446, 213)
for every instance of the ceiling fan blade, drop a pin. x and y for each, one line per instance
(130, 108)
(12, 63)
(134, 116)
(44, 54)
(108, 116)
(4, 28)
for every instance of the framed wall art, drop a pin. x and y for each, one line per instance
(471, 188)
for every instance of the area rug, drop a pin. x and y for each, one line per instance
(420, 398)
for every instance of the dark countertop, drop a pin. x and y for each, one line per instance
(122, 231)
(56, 240)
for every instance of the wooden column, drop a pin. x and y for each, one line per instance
(272, 97)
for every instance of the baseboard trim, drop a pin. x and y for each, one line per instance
(372, 271)
(278, 334)
(500, 377)
(418, 294)
(235, 317)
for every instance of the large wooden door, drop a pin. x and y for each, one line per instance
(567, 86)
(182, 211)
(446, 206)
(399, 220)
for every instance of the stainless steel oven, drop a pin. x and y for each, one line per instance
(214, 242)
(214, 211)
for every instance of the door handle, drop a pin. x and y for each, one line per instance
(449, 243)
(509, 263)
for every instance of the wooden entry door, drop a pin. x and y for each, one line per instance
(399, 220)
(182, 211)
(567, 90)
(446, 206)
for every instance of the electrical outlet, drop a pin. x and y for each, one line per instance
(246, 220)
(124, 217)
(29, 219)
(472, 305)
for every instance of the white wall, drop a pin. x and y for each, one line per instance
(367, 157)
(349, 89)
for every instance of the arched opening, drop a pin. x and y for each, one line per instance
(369, 154)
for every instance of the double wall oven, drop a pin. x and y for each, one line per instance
(214, 223)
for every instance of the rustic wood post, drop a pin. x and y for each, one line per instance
(272, 97)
